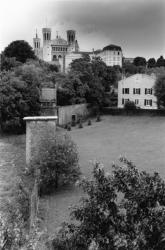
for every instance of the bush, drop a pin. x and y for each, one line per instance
(98, 118)
(80, 125)
(58, 164)
(68, 127)
(130, 105)
(89, 123)
(124, 210)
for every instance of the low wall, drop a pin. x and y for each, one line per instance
(65, 113)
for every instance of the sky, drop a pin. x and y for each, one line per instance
(138, 26)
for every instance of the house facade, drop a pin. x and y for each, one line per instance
(111, 55)
(139, 89)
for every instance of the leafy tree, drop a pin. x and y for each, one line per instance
(71, 90)
(139, 61)
(120, 211)
(160, 62)
(157, 71)
(58, 164)
(151, 63)
(19, 49)
(19, 96)
(159, 91)
(97, 77)
(129, 68)
(8, 63)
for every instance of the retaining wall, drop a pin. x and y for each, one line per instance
(65, 113)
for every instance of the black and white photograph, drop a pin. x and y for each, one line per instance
(82, 125)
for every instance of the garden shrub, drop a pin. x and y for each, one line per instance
(89, 123)
(58, 164)
(98, 118)
(124, 210)
(80, 125)
(130, 107)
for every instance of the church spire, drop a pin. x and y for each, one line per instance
(36, 34)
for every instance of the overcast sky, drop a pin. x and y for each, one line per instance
(138, 26)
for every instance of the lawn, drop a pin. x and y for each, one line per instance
(141, 139)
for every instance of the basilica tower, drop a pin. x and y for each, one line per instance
(72, 42)
(46, 44)
(37, 46)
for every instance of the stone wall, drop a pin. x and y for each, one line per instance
(65, 113)
(38, 130)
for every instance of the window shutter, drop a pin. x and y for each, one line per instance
(145, 91)
(128, 91)
(133, 90)
(139, 91)
(123, 101)
(151, 91)
(145, 102)
(123, 90)
(150, 102)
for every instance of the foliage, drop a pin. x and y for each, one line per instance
(130, 106)
(139, 61)
(160, 62)
(157, 71)
(87, 81)
(159, 91)
(19, 49)
(14, 215)
(58, 164)
(20, 92)
(151, 63)
(89, 122)
(124, 210)
(71, 90)
(8, 63)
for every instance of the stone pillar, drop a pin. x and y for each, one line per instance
(39, 129)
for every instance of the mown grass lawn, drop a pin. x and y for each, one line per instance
(140, 138)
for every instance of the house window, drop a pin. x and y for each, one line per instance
(136, 91)
(136, 101)
(124, 101)
(148, 91)
(125, 90)
(147, 102)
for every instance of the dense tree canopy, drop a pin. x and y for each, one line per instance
(20, 93)
(124, 210)
(8, 63)
(94, 79)
(139, 61)
(19, 49)
(151, 63)
(159, 90)
(160, 62)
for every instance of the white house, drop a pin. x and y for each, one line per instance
(139, 89)
(112, 55)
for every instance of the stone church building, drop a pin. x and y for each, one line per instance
(62, 52)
